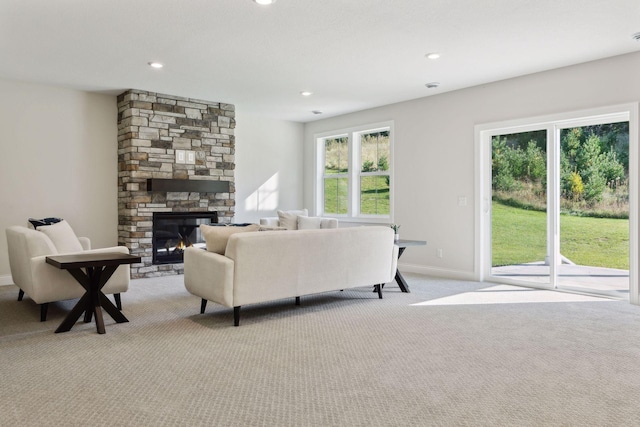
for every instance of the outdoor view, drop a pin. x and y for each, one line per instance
(336, 175)
(374, 154)
(594, 202)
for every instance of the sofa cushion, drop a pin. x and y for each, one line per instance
(309, 222)
(62, 237)
(289, 219)
(216, 236)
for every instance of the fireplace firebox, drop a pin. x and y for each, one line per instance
(174, 231)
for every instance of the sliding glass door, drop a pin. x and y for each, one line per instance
(559, 205)
(519, 208)
(594, 208)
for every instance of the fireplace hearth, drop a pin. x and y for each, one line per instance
(175, 231)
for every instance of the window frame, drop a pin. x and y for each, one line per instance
(355, 173)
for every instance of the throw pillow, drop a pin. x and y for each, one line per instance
(289, 219)
(217, 236)
(309, 222)
(44, 221)
(62, 237)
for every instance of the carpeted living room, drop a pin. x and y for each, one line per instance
(341, 358)
(120, 116)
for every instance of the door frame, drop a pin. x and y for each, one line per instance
(482, 149)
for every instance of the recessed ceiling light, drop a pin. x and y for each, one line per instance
(432, 85)
(306, 93)
(154, 64)
(433, 55)
(264, 2)
(317, 112)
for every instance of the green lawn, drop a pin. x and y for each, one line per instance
(519, 236)
(374, 197)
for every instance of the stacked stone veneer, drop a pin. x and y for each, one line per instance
(151, 127)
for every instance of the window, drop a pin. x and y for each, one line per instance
(336, 175)
(355, 173)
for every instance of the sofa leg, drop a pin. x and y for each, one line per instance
(20, 295)
(203, 305)
(236, 316)
(43, 311)
(379, 290)
(118, 301)
(297, 300)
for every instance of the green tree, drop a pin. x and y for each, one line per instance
(536, 162)
(502, 165)
(584, 155)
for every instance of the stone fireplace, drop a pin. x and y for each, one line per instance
(175, 155)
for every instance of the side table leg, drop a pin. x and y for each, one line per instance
(75, 313)
(99, 320)
(399, 279)
(111, 309)
(402, 284)
(94, 277)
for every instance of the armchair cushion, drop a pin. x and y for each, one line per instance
(62, 237)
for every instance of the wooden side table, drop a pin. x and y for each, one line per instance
(98, 268)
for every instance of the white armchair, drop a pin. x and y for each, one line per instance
(44, 283)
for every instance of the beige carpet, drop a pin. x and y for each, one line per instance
(450, 353)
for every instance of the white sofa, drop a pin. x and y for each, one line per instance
(44, 283)
(265, 266)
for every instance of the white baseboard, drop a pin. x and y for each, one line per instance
(437, 272)
(6, 280)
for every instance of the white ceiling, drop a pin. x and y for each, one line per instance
(353, 54)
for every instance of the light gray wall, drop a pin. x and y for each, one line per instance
(65, 162)
(434, 148)
(59, 158)
(268, 166)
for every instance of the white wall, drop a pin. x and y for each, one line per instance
(59, 158)
(64, 163)
(268, 166)
(434, 149)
